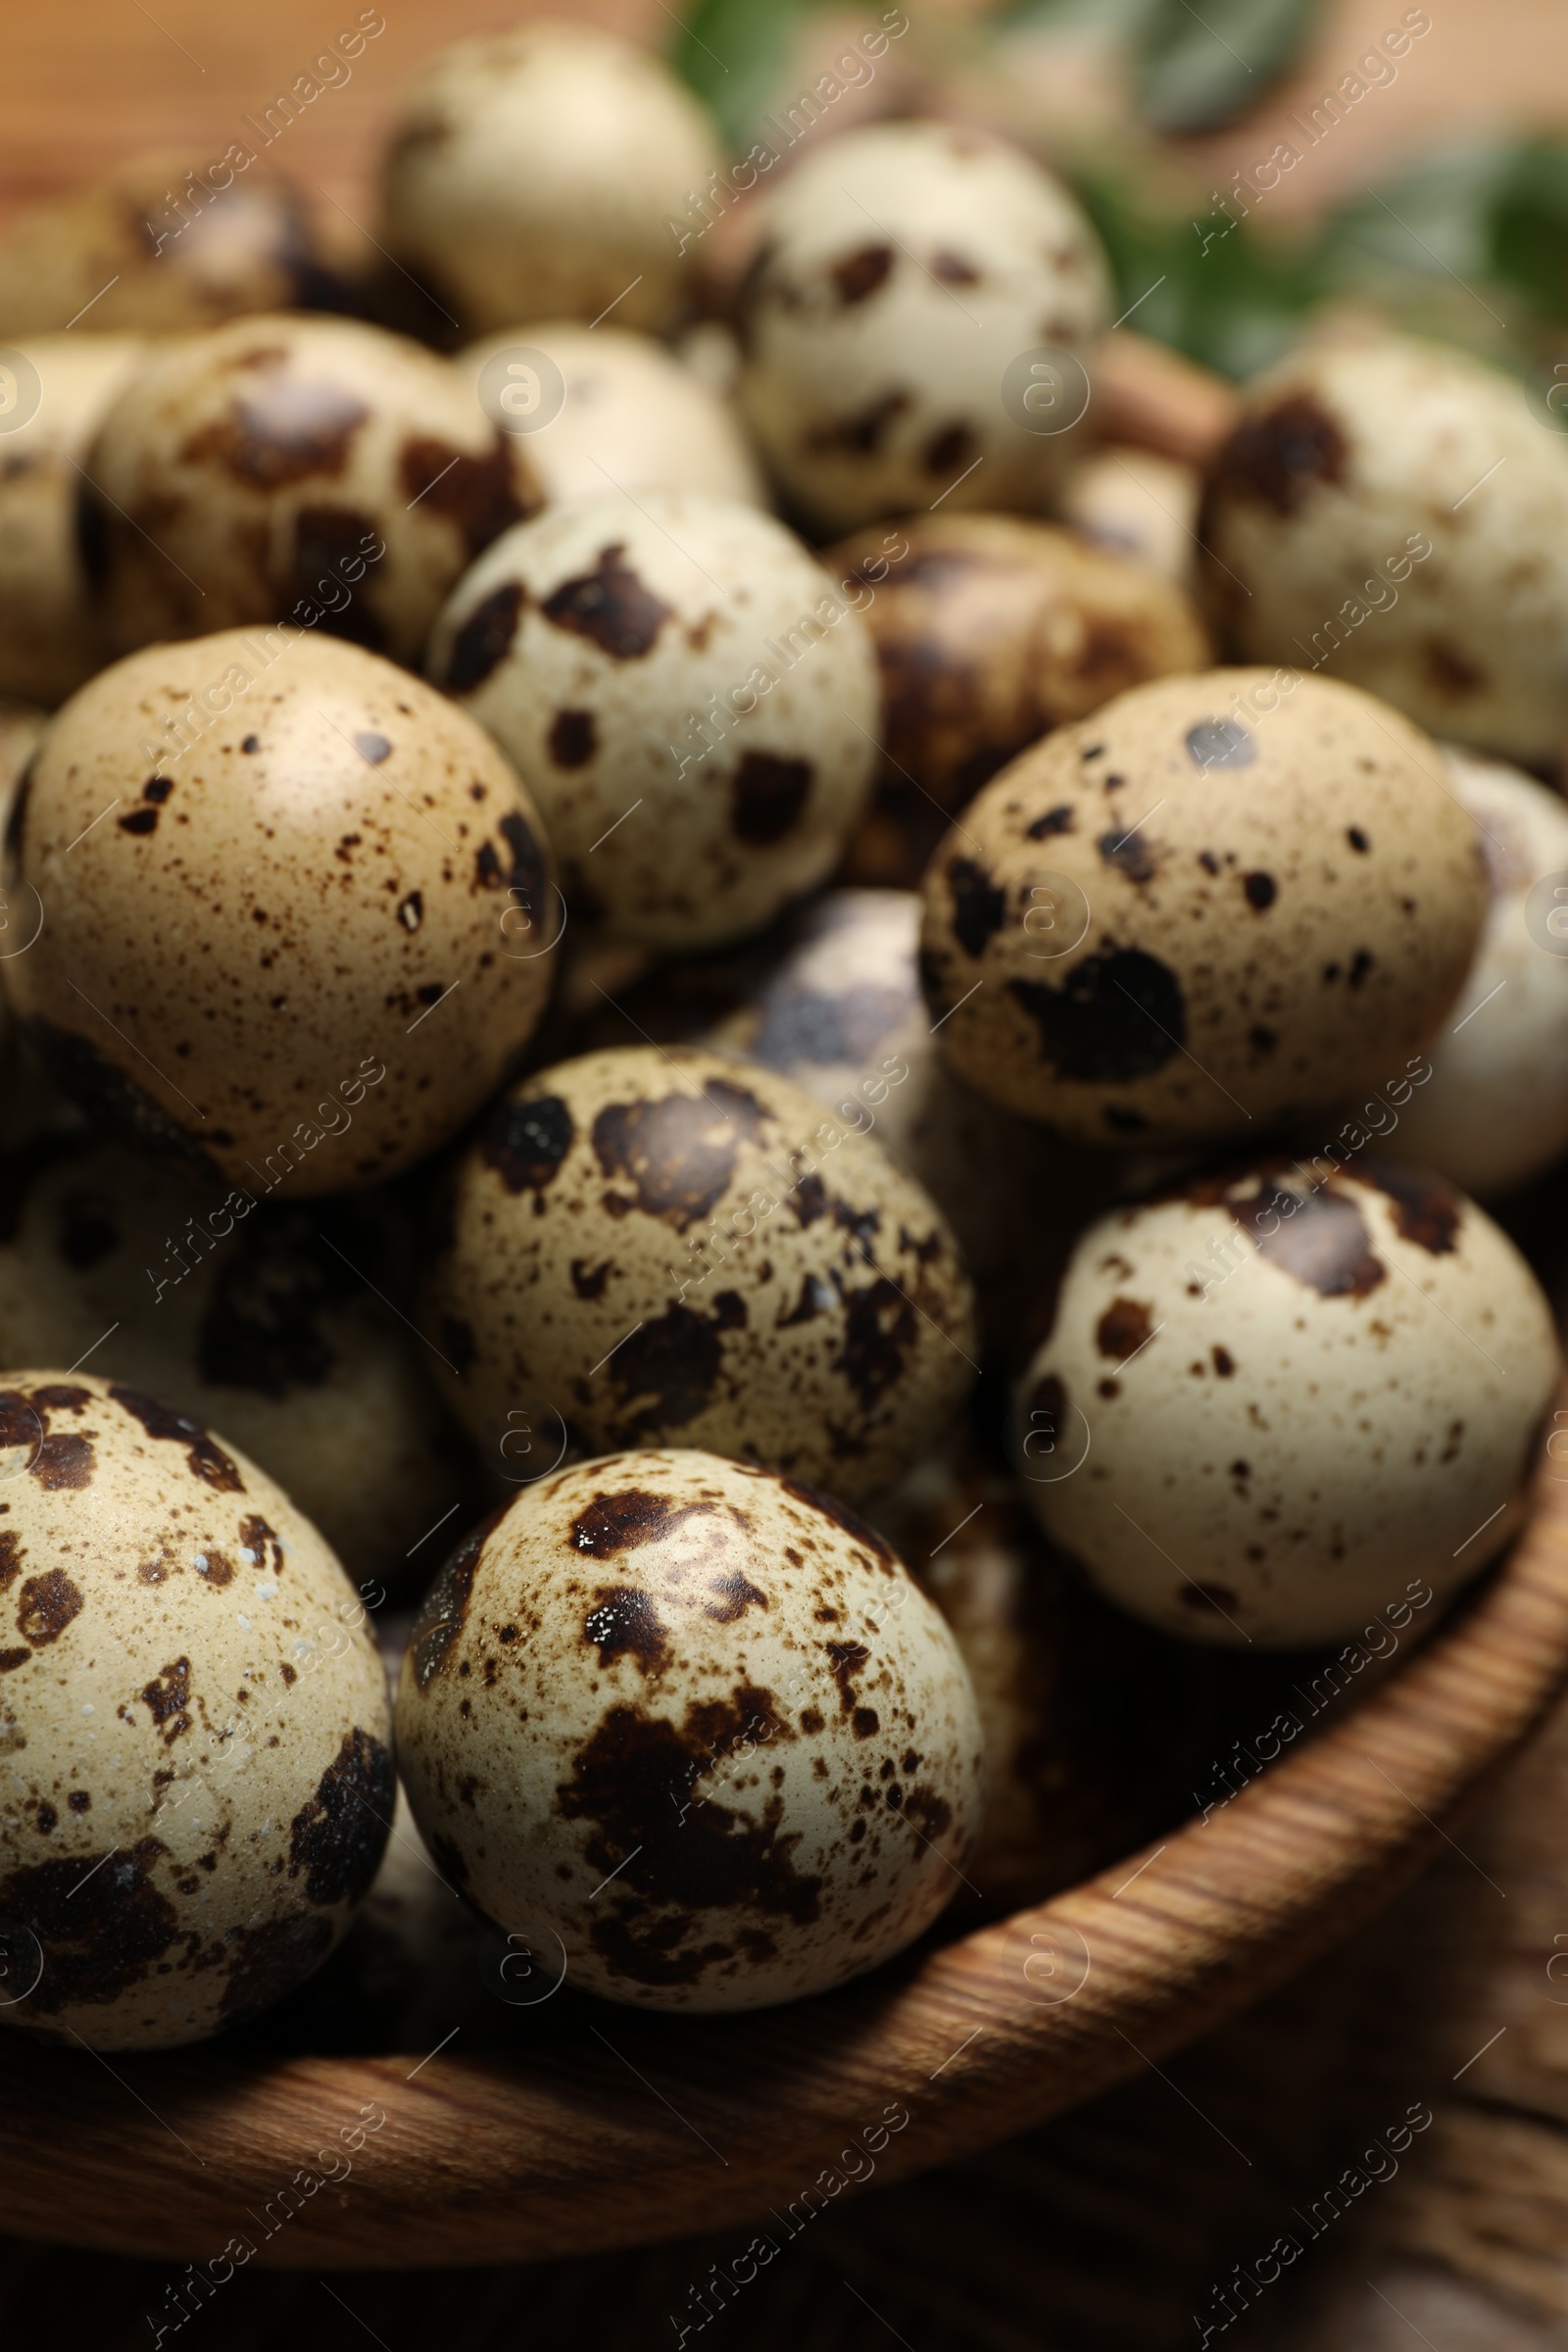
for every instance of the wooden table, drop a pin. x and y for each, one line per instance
(1110, 2230)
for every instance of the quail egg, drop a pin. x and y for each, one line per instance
(535, 173)
(903, 271)
(694, 1726)
(990, 630)
(651, 1246)
(49, 640)
(195, 1775)
(689, 696)
(1273, 1397)
(272, 1323)
(630, 415)
(296, 909)
(1495, 1110)
(157, 249)
(1222, 899)
(836, 1008)
(1138, 503)
(1393, 512)
(316, 471)
(1088, 1720)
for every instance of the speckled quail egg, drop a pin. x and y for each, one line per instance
(317, 470)
(537, 174)
(990, 630)
(273, 1324)
(296, 907)
(1136, 502)
(1088, 1722)
(1221, 899)
(195, 1777)
(838, 1009)
(657, 1246)
(1393, 511)
(1274, 1396)
(631, 415)
(695, 1725)
(904, 270)
(49, 634)
(689, 697)
(1495, 1110)
(155, 249)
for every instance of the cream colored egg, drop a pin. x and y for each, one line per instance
(1495, 1110)
(694, 1728)
(1275, 1404)
(163, 247)
(689, 696)
(1395, 512)
(904, 270)
(274, 1325)
(295, 909)
(314, 471)
(49, 639)
(534, 173)
(1221, 901)
(629, 415)
(1135, 501)
(990, 630)
(195, 1773)
(656, 1247)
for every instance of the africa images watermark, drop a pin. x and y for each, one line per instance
(328, 72)
(852, 70)
(1375, 70)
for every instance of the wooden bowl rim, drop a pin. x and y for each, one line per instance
(653, 2126)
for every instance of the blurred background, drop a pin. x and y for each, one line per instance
(1434, 192)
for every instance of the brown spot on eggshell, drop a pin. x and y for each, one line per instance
(610, 607)
(1130, 853)
(1118, 1015)
(767, 795)
(624, 1622)
(861, 434)
(950, 446)
(1123, 1329)
(280, 430)
(1278, 457)
(574, 738)
(733, 1596)
(628, 1519)
(45, 1605)
(879, 1326)
(12, 1555)
(102, 1925)
(484, 639)
(1425, 1210)
(678, 1151)
(979, 904)
(339, 1837)
(526, 1142)
(859, 273)
(476, 493)
(669, 1366)
(207, 1460)
(63, 1460)
(167, 1699)
(441, 1613)
(1318, 1239)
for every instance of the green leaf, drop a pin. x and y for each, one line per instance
(1198, 67)
(733, 53)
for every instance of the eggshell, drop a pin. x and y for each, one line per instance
(1275, 1397)
(1137, 502)
(294, 908)
(902, 269)
(696, 1723)
(49, 634)
(991, 630)
(534, 173)
(276, 1324)
(154, 249)
(1495, 1111)
(194, 1727)
(1395, 512)
(317, 470)
(1220, 900)
(655, 1246)
(631, 415)
(594, 642)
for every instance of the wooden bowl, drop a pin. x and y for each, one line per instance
(618, 2127)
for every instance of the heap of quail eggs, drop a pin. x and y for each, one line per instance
(705, 1149)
